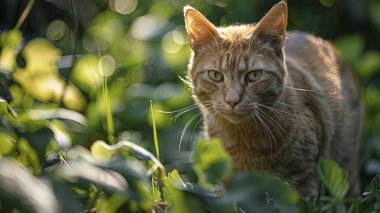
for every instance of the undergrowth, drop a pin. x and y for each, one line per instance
(41, 171)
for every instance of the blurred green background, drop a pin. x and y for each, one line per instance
(52, 68)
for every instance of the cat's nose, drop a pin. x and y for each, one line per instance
(232, 102)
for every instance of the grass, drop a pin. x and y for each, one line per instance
(110, 127)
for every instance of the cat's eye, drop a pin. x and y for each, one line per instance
(253, 75)
(215, 75)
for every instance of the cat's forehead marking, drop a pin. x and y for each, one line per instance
(234, 56)
(242, 64)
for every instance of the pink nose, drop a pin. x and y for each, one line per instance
(232, 102)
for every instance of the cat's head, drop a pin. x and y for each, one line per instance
(236, 68)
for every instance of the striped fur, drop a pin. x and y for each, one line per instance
(305, 105)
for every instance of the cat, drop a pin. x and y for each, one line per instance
(277, 100)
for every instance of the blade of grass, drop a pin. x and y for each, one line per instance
(154, 131)
(24, 14)
(155, 139)
(110, 128)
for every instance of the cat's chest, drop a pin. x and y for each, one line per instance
(256, 149)
(248, 148)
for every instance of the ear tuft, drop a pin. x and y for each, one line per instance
(200, 30)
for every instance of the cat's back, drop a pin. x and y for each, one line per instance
(310, 53)
(314, 63)
(324, 86)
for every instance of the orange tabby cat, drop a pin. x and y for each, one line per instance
(279, 101)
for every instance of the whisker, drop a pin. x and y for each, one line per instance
(214, 113)
(299, 89)
(271, 123)
(278, 128)
(174, 118)
(182, 111)
(269, 134)
(196, 125)
(286, 104)
(179, 110)
(185, 128)
(278, 110)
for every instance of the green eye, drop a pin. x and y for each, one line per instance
(215, 75)
(253, 75)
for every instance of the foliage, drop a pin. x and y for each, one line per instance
(334, 178)
(211, 162)
(76, 121)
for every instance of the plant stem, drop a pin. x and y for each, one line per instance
(24, 14)
(155, 139)
(110, 128)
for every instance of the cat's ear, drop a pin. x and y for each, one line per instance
(272, 26)
(200, 30)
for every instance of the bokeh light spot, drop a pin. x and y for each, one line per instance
(89, 44)
(56, 30)
(107, 65)
(147, 26)
(123, 6)
(173, 41)
(327, 3)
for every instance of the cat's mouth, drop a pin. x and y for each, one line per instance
(236, 117)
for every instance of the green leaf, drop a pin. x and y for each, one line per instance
(135, 173)
(333, 177)
(49, 114)
(172, 182)
(66, 198)
(375, 184)
(112, 204)
(11, 39)
(100, 151)
(28, 156)
(355, 207)
(3, 107)
(82, 173)
(26, 191)
(259, 193)
(186, 202)
(103, 151)
(7, 144)
(211, 162)
(375, 187)
(39, 141)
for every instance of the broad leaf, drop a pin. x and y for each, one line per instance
(375, 184)
(24, 190)
(211, 162)
(187, 202)
(104, 151)
(39, 141)
(3, 106)
(101, 152)
(83, 173)
(172, 182)
(7, 144)
(333, 177)
(259, 193)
